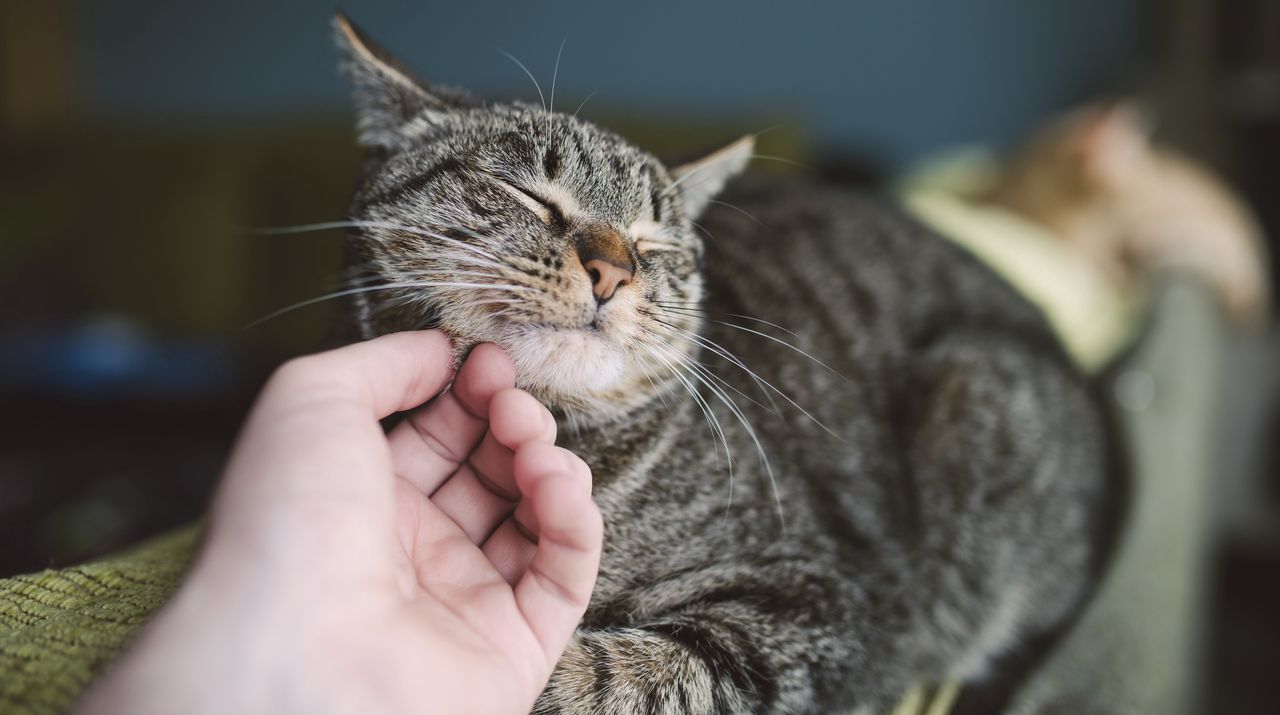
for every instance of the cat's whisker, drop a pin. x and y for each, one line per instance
(584, 103)
(650, 374)
(508, 301)
(707, 370)
(661, 393)
(675, 185)
(419, 275)
(784, 344)
(529, 74)
(712, 422)
(299, 228)
(698, 372)
(705, 231)
(370, 289)
(766, 130)
(706, 316)
(555, 73)
(496, 260)
(783, 160)
(453, 241)
(765, 322)
(739, 209)
(473, 274)
(725, 353)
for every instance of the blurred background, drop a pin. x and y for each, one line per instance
(144, 143)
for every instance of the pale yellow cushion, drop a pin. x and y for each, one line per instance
(1094, 319)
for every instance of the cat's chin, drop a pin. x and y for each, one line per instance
(565, 365)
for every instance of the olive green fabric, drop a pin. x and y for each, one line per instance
(58, 628)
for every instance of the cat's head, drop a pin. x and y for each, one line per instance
(538, 231)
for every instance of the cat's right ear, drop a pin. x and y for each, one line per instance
(390, 101)
(699, 181)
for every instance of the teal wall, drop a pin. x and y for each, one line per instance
(891, 78)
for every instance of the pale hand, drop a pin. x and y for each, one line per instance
(346, 570)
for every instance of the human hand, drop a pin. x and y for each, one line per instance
(348, 570)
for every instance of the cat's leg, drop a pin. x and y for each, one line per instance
(662, 668)
(1011, 465)
(786, 645)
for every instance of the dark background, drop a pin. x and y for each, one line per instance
(142, 142)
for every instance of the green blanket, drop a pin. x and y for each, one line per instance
(58, 628)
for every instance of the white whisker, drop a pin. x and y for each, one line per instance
(584, 103)
(708, 414)
(536, 86)
(698, 372)
(555, 74)
(740, 210)
(388, 226)
(728, 355)
(388, 286)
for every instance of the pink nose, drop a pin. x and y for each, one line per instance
(606, 277)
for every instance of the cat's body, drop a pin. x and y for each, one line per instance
(936, 504)
(953, 519)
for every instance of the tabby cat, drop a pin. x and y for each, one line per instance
(899, 486)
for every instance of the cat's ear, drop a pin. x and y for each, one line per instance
(699, 181)
(389, 99)
(1110, 139)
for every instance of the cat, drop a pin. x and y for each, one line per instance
(888, 474)
(1133, 207)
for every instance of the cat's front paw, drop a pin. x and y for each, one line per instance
(639, 670)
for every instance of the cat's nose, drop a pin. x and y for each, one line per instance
(603, 253)
(606, 277)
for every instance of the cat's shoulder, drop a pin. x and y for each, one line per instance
(765, 207)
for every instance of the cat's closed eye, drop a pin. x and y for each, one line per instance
(650, 236)
(544, 209)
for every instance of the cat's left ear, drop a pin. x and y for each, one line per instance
(388, 95)
(699, 181)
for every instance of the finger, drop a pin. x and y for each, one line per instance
(446, 562)
(483, 491)
(554, 592)
(510, 550)
(428, 446)
(537, 458)
(387, 374)
(470, 501)
(518, 419)
(313, 437)
(512, 545)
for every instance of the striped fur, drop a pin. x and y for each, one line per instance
(930, 489)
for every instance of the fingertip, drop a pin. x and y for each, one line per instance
(517, 418)
(494, 358)
(428, 348)
(390, 373)
(433, 340)
(486, 372)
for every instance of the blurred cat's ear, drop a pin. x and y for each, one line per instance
(699, 181)
(392, 104)
(1110, 138)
